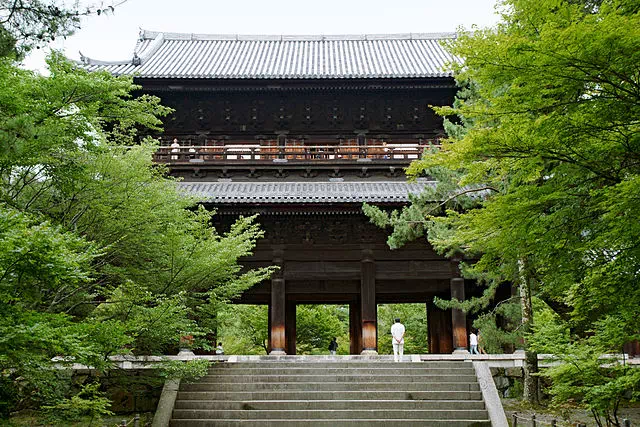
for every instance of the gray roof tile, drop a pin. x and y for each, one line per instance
(301, 192)
(176, 55)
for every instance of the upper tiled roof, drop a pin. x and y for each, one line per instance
(302, 192)
(174, 55)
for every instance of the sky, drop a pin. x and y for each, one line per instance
(113, 37)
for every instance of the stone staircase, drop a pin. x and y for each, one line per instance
(333, 393)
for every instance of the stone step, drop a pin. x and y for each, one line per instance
(330, 386)
(342, 364)
(329, 395)
(355, 378)
(399, 422)
(386, 377)
(434, 414)
(386, 370)
(337, 392)
(328, 404)
(296, 358)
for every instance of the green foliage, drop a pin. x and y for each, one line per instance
(188, 371)
(88, 402)
(39, 260)
(316, 325)
(244, 329)
(500, 327)
(546, 127)
(414, 319)
(99, 252)
(584, 373)
(28, 24)
(553, 126)
(25, 24)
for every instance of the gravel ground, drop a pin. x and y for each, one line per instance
(565, 417)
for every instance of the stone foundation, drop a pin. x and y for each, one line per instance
(508, 381)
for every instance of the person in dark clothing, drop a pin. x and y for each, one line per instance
(333, 346)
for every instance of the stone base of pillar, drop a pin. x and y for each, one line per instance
(461, 351)
(369, 353)
(277, 352)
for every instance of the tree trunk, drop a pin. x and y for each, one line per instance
(531, 358)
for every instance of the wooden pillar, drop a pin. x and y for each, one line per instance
(290, 327)
(269, 329)
(458, 317)
(440, 331)
(355, 328)
(368, 304)
(426, 311)
(277, 327)
(277, 316)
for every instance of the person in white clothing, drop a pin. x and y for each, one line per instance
(219, 349)
(473, 343)
(397, 333)
(175, 148)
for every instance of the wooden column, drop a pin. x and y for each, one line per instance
(269, 329)
(458, 317)
(277, 327)
(355, 328)
(290, 327)
(368, 304)
(440, 333)
(278, 307)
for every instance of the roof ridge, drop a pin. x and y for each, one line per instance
(150, 35)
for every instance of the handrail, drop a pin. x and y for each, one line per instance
(135, 422)
(239, 152)
(534, 422)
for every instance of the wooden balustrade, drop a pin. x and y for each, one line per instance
(272, 153)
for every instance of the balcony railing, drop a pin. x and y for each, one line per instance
(274, 154)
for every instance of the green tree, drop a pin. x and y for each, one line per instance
(100, 253)
(28, 24)
(316, 325)
(244, 329)
(552, 137)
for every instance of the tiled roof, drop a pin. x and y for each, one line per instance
(301, 192)
(174, 55)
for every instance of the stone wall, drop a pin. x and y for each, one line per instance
(508, 381)
(131, 391)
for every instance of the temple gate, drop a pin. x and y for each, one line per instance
(302, 130)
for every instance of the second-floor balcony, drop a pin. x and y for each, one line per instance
(177, 154)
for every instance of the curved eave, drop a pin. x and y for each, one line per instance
(119, 70)
(301, 193)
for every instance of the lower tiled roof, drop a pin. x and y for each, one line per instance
(302, 192)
